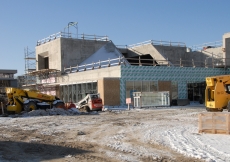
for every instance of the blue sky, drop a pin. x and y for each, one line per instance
(23, 22)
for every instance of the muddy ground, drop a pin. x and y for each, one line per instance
(96, 137)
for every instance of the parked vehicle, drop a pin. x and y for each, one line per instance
(91, 102)
(217, 93)
(27, 100)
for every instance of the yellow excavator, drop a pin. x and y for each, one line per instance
(27, 100)
(217, 93)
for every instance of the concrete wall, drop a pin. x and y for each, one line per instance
(52, 50)
(109, 89)
(66, 52)
(90, 75)
(160, 53)
(214, 52)
(197, 57)
(210, 55)
(172, 53)
(226, 47)
(227, 52)
(146, 49)
(75, 51)
(226, 35)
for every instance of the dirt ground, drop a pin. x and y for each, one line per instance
(101, 137)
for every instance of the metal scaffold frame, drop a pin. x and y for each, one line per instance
(30, 60)
(45, 78)
(30, 65)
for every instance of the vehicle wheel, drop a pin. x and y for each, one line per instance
(60, 105)
(30, 106)
(220, 110)
(87, 109)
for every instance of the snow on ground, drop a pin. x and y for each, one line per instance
(184, 138)
(174, 127)
(181, 136)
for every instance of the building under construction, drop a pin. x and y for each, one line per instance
(7, 79)
(70, 66)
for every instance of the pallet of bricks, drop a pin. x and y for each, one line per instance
(214, 122)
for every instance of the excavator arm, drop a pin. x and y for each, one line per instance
(20, 99)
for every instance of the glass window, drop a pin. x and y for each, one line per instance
(145, 86)
(153, 86)
(62, 93)
(79, 88)
(174, 90)
(94, 87)
(83, 90)
(74, 93)
(66, 93)
(137, 86)
(70, 93)
(79, 97)
(88, 87)
(129, 89)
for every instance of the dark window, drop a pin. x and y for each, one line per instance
(227, 88)
(46, 60)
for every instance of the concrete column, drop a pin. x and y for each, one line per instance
(226, 49)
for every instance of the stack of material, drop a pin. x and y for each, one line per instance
(214, 122)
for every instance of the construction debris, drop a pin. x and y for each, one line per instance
(55, 111)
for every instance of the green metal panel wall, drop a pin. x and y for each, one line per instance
(182, 75)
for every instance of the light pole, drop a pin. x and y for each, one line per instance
(74, 24)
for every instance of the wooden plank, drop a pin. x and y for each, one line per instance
(210, 122)
(216, 123)
(227, 124)
(213, 122)
(216, 131)
(200, 123)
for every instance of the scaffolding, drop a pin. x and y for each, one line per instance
(30, 60)
(30, 66)
(46, 81)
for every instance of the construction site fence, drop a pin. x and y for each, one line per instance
(74, 36)
(214, 122)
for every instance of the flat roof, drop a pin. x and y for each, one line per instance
(42, 71)
(12, 71)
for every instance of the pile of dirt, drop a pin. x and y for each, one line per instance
(50, 112)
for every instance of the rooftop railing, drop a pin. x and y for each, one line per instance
(154, 42)
(207, 45)
(96, 65)
(71, 35)
(209, 62)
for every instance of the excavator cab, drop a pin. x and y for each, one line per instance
(217, 93)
